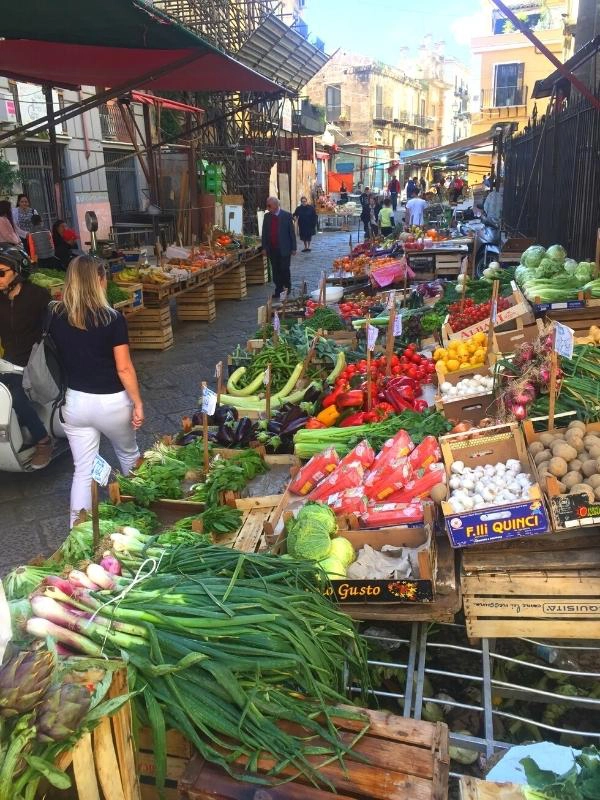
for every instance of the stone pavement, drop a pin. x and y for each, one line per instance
(34, 506)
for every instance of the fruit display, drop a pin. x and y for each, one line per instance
(461, 355)
(464, 315)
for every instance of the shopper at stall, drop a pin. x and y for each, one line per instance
(306, 217)
(23, 307)
(7, 227)
(62, 248)
(374, 209)
(343, 194)
(365, 213)
(22, 214)
(415, 208)
(385, 218)
(103, 395)
(41, 245)
(394, 189)
(411, 187)
(279, 243)
(422, 184)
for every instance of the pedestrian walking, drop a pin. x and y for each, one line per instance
(414, 208)
(63, 249)
(374, 209)
(411, 187)
(422, 184)
(385, 218)
(103, 395)
(365, 213)
(8, 233)
(279, 243)
(306, 217)
(394, 190)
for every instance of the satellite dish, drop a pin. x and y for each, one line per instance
(91, 221)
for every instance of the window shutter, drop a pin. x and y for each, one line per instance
(520, 76)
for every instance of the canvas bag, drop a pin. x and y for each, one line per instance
(44, 379)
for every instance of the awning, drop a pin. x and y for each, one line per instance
(111, 42)
(278, 51)
(544, 87)
(164, 102)
(450, 151)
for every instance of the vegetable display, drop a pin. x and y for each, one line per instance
(572, 456)
(467, 387)
(489, 485)
(462, 354)
(464, 316)
(549, 276)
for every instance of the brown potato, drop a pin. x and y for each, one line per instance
(590, 468)
(547, 439)
(543, 455)
(564, 451)
(577, 424)
(575, 465)
(594, 481)
(594, 451)
(575, 441)
(558, 466)
(572, 478)
(583, 488)
(535, 448)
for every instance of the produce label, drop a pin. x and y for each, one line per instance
(574, 511)
(209, 402)
(512, 312)
(567, 304)
(398, 326)
(267, 376)
(372, 334)
(564, 340)
(276, 322)
(380, 591)
(283, 295)
(495, 524)
(101, 470)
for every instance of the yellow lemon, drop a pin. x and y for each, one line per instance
(452, 365)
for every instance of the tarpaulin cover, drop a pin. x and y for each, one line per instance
(335, 180)
(107, 42)
(164, 102)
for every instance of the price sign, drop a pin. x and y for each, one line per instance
(391, 300)
(398, 326)
(209, 402)
(267, 376)
(464, 264)
(276, 322)
(101, 470)
(219, 370)
(494, 314)
(283, 295)
(564, 340)
(372, 334)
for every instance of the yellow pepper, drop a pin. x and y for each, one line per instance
(329, 416)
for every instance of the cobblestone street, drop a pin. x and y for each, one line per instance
(34, 506)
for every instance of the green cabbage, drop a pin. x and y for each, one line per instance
(532, 256)
(584, 272)
(333, 567)
(309, 534)
(548, 268)
(593, 287)
(570, 266)
(557, 253)
(342, 549)
(523, 274)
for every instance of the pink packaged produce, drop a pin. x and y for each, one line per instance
(363, 452)
(350, 501)
(346, 476)
(314, 471)
(388, 514)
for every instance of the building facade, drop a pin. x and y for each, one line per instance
(456, 119)
(509, 64)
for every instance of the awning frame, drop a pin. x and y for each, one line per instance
(459, 147)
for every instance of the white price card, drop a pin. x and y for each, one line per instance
(391, 299)
(564, 340)
(218, 370)
(283, 295)
(398, 326)
(372, 334)
(209, 402)
(276, 322)
(464, 265)
(101, 470)
(494, 314)
(267, 376)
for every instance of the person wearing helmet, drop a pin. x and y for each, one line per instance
(23, 306)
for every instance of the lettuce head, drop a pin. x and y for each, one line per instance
(532, 256)
(557, 253)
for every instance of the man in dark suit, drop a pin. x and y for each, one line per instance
(279, 243)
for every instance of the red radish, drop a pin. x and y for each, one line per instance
(519, 412)
(110, 564)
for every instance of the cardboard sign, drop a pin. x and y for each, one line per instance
(276, 322)
(101, 470)
(496, 524)
(564, 340)
(283, 295)
(398, 326)
(372, 334)
(267, 376)
(209, 402)
(575, 510)
(380, 591)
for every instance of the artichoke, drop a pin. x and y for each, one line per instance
(24, 679)
(62, 711)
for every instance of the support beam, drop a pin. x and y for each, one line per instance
(54, 154)
(154, 192)
(127, 114)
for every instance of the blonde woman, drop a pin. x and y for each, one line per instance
(103, 395)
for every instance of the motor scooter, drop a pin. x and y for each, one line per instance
(489, 241)
(16, 448)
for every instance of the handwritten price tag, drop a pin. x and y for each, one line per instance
(209, 402)
(494, 314)
(276, 322)
(398, 326)
(391, 299)
(101, 470)
(372, 334)
(564, 340)
(218, 370)
(267, 376)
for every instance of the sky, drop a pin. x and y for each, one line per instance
(377, 28)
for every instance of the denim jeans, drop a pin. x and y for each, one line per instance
(26, 413)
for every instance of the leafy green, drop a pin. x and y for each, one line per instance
(129, 514)
(581, 782)
(310, 532)
(325, 319)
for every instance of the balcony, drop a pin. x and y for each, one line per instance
(382, 114)
(310, 119)
(386, 115)
(503, 97)
(111, 124)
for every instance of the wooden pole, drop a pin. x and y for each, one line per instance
(369, 382)
(308, 359)
(323, 290)
(95, 517)
(205, 429)
(493, 314)
(219, 377)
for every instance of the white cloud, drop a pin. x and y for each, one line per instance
(467, 27)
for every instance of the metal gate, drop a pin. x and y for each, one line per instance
(36, 172)
(121, 180)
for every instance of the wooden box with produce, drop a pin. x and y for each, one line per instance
(179, 751)
(400, 759)
(475, 318)
(467, 395)
(546, 586)
(508, 341)
(567, 463)
(492, 491)
(552, 282)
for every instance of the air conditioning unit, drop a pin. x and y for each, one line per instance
(8, 111)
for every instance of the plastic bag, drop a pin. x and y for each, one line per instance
(314, 471)
(346, 476)
(383, 515)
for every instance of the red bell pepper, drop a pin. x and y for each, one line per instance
(420, 405)
(354, 419)
(330, 399)
(352, 399)
(313, 423)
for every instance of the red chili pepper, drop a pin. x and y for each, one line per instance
(313, 423)
(353, 419)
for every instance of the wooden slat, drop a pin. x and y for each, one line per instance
(122, 731)
(84, 770)
(518, 562)
(390, 726)
(544, 628)
(533, 607)
(107, 765)
(534, 583)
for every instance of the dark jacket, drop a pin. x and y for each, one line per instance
(287, 234)
(365, 213)
(21, 321)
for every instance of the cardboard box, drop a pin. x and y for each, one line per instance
(507, 342)
(507, 319)
(493, 523)
(470, 409)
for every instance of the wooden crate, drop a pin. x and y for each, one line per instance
(448, 265)
(102, 762)
(179, 752)
(232, 285)
(150, 329)
(505, 320)
(547, 586)
(475, 789)
(407, 760)
(471, 409)
(257, 270)
(197, 305)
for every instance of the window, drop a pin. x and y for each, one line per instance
(508, 85)
(333, 102)
(121, 181)
(379, 102)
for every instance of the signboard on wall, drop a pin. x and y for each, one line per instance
(32, 102)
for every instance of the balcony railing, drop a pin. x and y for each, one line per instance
(385, 114)
(111, 124)
(309, 119)
(503, 97)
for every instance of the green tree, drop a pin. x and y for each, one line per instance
(8, 176)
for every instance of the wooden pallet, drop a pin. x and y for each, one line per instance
(102, 762)
(407, 760)
(475, 789)
(232, 286)
(179, 752)
(546, 586)
(257, 270)
(197, 305)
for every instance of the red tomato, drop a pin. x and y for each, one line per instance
(397, 370)
(416, 358)
(412, 372)
(408, 352)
